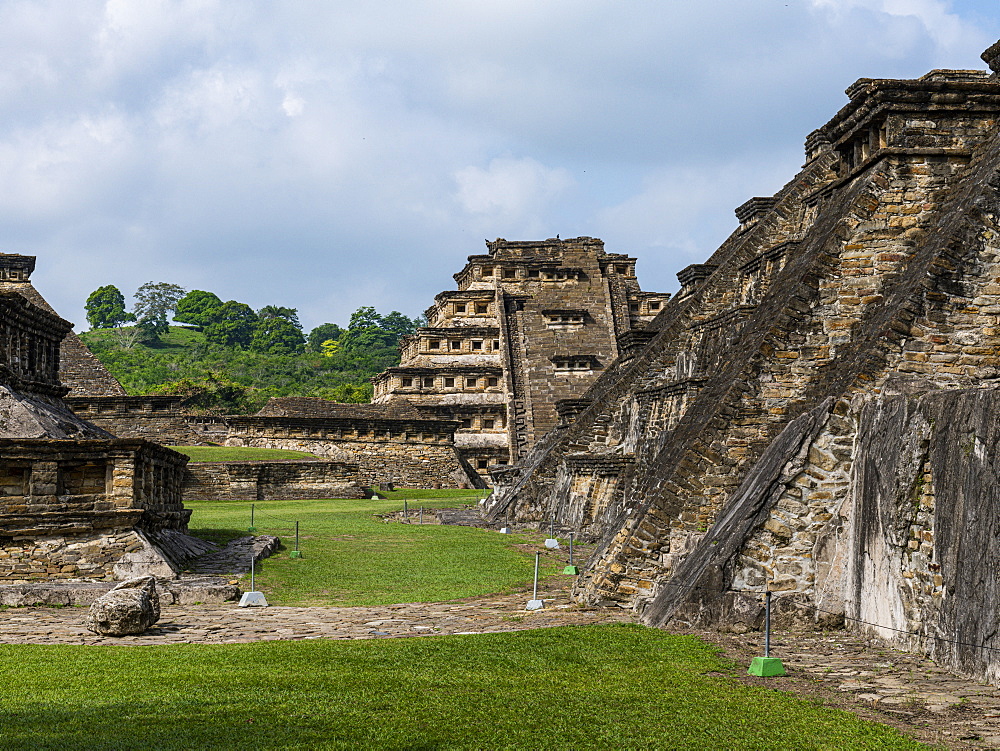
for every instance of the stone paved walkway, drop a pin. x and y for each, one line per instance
(228, 624)
(859, 673)
(843, 669)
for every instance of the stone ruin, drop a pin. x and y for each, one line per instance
(816, 410)
(531, 323)
(75, 501)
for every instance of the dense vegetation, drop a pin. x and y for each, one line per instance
(231, 358)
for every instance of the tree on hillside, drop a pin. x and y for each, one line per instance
(233, 325)
(370, 331)
(274, 311)
(277, 335)
(106, 308)
(153, 301)
(396, 325)
(197, 307)
(325, 332)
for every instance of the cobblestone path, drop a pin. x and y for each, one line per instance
(227, 623)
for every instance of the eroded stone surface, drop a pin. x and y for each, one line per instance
(130, 608)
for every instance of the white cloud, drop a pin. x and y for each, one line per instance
(313, 154)
(510, 188)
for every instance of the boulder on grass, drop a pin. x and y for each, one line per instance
(130, 608)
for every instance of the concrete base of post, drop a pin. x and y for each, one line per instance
(552, 543)
(253, 600)
(505, 530)
(767, 667)
(535, 605)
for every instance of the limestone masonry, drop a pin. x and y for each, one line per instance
(531, 323)
(816, 410)
(74, 500)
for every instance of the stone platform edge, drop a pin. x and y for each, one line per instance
(195, 591)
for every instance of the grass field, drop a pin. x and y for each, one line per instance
(351, 558)
(239, 454)
(604, 687)
(584, 687)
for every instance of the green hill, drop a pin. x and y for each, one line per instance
(219, 378)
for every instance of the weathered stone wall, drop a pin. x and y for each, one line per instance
(160, 419)
(272, 480)
(410, 453)
(921, 554)
(52, 487)
(89, 556)
(874, 271)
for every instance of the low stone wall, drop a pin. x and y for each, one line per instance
(72, 509)
(153, 418)
(407, 465)
(82, 557)
(51, 488)
(264, 481)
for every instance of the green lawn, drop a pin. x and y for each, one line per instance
(352, 558)
(597, 687)
(239, 454)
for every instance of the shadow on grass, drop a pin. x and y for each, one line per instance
(146, 726)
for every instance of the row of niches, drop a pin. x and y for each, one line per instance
(359, 433)
(445, 382)
(862, 146)
(30, 357)
(434, 345)
(646, 307)
(481, 421)
(71, 479)
(123, 407)
(910, 130)
(469, 309)
(484, 461)
(531, 273)
(575, 363)
(756, 276)
(565, 319)
(709, 343)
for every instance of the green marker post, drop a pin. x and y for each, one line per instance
(571, 569)
(767, 666)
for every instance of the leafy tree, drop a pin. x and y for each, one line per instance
(348, 393)
(106, 308)
(274, 311)
(233, 325)
(330, 348)
(153, 301)
(277, 335)
(212, 394)
(325, 332)
(397, 325)
(369, 331)
(197, 307)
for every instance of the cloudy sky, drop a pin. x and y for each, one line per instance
(325, 155)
